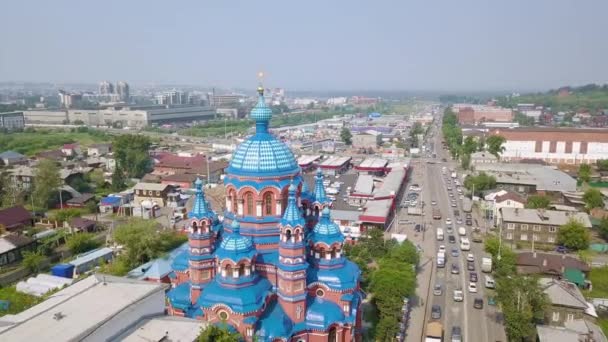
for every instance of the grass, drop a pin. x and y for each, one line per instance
(29, 143)
(599, 279)
(603, 323)
(18, 301)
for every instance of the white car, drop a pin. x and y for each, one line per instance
(472, 287)
(458, 296)
(441, 248)
(448, 221)
(470, 257)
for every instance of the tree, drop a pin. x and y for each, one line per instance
(465, 161)
(469, 145)
(603, 228)
(523, 303)
(593, 199)
(602, 165)
(538, 202)
(215, 333)
(573, 235)
(46, 183)
(584, 173)
(132, 154)
(82, 242)
(118, 179)
(495, 145)
(346, 136)
(481, 182)
(32, 261)
(63, 215)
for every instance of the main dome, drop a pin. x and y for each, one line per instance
(262, 154)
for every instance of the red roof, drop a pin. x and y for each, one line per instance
(195, 163)
(14, 217)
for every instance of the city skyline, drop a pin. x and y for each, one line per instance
(464, 46)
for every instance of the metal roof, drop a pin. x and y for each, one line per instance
(546, 217)
(543, 177)
(373, 163)
(335, 161)
(364, 185)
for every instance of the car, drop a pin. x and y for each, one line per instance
(455, 269)
(472, 288)
(458, 296)
(470, 257)
(451, 239)
(451, 194)
(418, 228)
(449, 188)
(448, 221)
(561, 249)
(454, 205)
(433, 202)
(441, 248)
(468, 222)
(449, 229)
(455, 252)
(470, 266)
(437, 290)
(468, 215)
(456, 212)
(473, 277)
(456, 334)
(459, 220)
(478, 303)
(436, 312)
(461, 197)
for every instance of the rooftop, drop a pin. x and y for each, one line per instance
(563, 293)
(543, 177)
(545, 217)
(334, 162)
(307, 159)
(372, 163)
(150, 186)
(163, 328)
(83, 308)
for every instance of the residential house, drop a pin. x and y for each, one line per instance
(567, 303)
(15, 218)
(22, 176)
(181, 180)
(170, 164)
(70, 150)
(80, 225)
(554, 265)
(529, 178)
(10, 158)
(12, 246)
(578, 330)
(151, 194)
(364, 140)
(56, 155)
(97, 150)
(503, 199)
(483, 158)
(536, 225)
(80, 201)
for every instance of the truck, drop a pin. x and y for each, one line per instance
(414, 211)
(434, 332)
(486, 264)
(436, 214)
(476, 235)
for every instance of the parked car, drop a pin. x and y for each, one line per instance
(468, 222)
(562, 249)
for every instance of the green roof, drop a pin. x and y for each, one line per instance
(574, 275)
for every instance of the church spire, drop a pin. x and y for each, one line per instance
(320, 195)
(261, 113)
(292, 216)
(201, 207)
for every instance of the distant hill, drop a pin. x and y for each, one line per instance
(591, 97)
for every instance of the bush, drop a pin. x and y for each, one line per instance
(32, 261)
(82, 242)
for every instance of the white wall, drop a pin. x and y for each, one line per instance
(526, 149)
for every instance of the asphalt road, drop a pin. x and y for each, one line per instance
(478, 325)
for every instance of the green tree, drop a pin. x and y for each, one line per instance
(523, 303)
(32, 261)
(480, 182)
(46, 183)
(65, 214)
(593, 199)
(97, 178)
(538, 202)
(346, 136)
(573, 235)
(404, 252)
(465, 161)
(215, 333)
(82, 242)
(495, 145)
(602, 165)
(584, 173)
(118, 179)
(132, 154)
(469, 145)
(603, 228)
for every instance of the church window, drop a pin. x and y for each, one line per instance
(223, 315)
(228, 271)
(194, 227)
(250, 204)
(320, 293)
(287, 235)
(241, 270)
(268, 203)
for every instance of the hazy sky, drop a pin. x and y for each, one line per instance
(309, 45)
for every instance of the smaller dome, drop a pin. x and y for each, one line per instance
(261, 112)
(326, 230)
(235, 246)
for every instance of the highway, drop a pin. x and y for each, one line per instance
(477, 325)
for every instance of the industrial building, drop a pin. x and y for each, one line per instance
(141, 116)
(12, 120)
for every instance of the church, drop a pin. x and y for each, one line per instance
(272, 267)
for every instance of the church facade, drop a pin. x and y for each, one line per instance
(272, 267)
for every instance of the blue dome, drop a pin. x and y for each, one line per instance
(235, 246)
(326, 230)
(262, 154)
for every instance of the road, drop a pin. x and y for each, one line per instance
(478, 325)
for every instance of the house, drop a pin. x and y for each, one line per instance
(536, 225)
(567, 303)
(150, 194)
(80, 225)
(56, 155)
(483, 158)
(529, 178)
(80, 201)
(169, 164)
(15, 218)
(506, 199)
(97, 150)
(12, 246)
(578, 330)
(70, 150)
(554, 265)
(364, 140)
(181, 180)
(10, 158)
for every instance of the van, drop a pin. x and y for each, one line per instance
(439, 234)
(462, 231)
(489, 281)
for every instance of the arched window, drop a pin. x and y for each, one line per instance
(203, 227)
(228, 271)
(322, 254)
(333, 253)
(194, 227)
(235, 205)
(268, 203)
(333, 336)
(287, 235)
(241, 270)
(250, 205)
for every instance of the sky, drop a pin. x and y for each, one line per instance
(437, 45)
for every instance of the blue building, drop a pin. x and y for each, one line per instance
(271, 267)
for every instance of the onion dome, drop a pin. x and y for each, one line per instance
(262, 154)
(200, 209)
(235, 246)
(326, 231)
(320, 195)
(292, 216)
